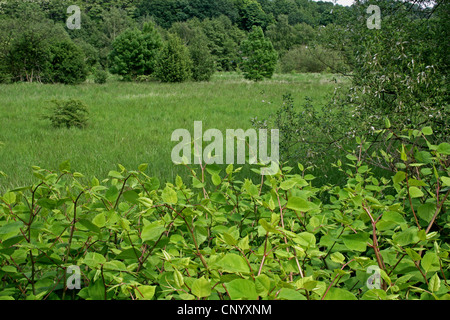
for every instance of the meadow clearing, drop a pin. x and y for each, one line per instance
(131, 123)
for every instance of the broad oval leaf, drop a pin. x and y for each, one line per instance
(152, 231)
(242, 289)
(233, 263)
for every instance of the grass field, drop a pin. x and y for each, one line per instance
(132, 123)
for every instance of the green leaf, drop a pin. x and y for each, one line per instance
(178, 277)
(288, 184)
(271, 204)
(64, 166)
(142, 167)
(116, 175)
(9, 269)
(435, 283)
(413, 254)
(169, 195)
(417, 183)
(241, 289)
(426, 211)
(298, 204)
(393, 216)
(357, 242)
(131, 196)
(216, 180)
(130, 253)
(89, 225)
(375, 294)
(406, 237)
(267, 226)
(99, 220)
(9, 198)
(93, 259)
(423, 157)
(444, 148)
(145, 292)
(233, 263)
(403, 154)
(201, 288)
(427, 131)
(229, 239)
(290, 294)
(250, 187)
(337, 257)
(96, 290)
(306, 283)
(201, 234)
(47, 203)
(399, 177)
(339, 294)
(197, 183)
(152, 231)
(115, 265)
(305, 240)
(153, 184)
(11, 229)
(430, 262)
(243, 244)
(12, 241)
(415, 192)
(262, 285)
(112, 193)
(145, 201)
(445, 181)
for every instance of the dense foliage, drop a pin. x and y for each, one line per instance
(174, 61)
(398, 72)
(66, 63)
(135, 52)
(67, 114)
(218, 237)
(259, 58)
(203, 65)
(112, 33)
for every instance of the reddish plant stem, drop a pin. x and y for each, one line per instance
(331, 284)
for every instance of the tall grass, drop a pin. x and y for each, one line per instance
(132, 123)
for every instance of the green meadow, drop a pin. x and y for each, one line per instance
(132, 123)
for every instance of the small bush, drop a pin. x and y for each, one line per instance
(144, 78)
(310, 59)
(100, 76)
(71, 113)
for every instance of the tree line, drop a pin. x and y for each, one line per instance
(134, 39)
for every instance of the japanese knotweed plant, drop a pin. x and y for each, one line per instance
(221, 237)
